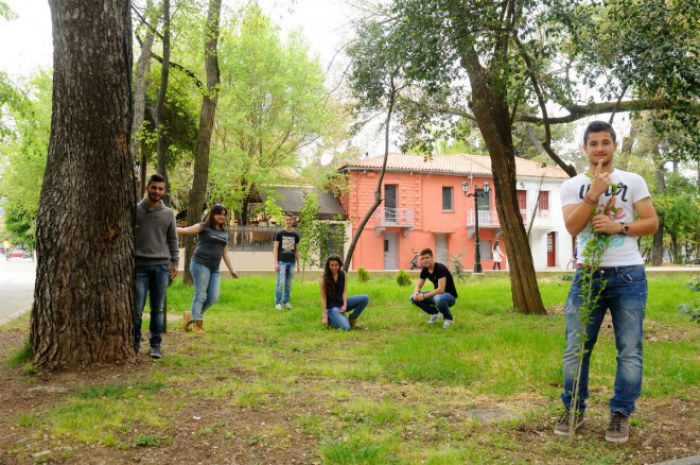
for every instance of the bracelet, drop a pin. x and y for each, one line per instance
(588, 200)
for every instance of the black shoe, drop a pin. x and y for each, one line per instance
(562, 427)
(619, 428)
(155, 353)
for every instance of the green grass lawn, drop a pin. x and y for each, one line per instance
(396, 391)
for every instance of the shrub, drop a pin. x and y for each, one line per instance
(403, 279)
(362, 275)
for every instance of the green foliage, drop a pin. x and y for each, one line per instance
(273, 210)
(692, 309)
(318, 238)
(403, 279)
(146, 440)
(272, 102)
(20, 356)
(24, 156)
(679, 209)
(307, 230)
(363, 275)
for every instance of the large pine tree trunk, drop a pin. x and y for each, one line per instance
(493, 118)
(83, 299)
(206, 126)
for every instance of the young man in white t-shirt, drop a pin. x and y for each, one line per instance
(622, 269)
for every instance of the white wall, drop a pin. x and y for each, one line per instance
(555, 221)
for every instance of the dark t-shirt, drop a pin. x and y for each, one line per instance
(440, 271)
(335, 298)
(210, 247)
(287, 245)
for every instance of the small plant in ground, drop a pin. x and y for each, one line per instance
(403, 279)
(21, 356)
(146, 440)
(363, 274)
(593, 253)
(457, 267)
(692, 309)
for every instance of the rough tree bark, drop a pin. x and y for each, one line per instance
(206, 126)
(378, 191)
(83, 298)
(161, 145)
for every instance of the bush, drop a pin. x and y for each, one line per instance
(362, 275)
(403, 279)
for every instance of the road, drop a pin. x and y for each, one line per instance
(16, 287)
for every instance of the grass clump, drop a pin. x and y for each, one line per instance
(363, 275)
(403, 279)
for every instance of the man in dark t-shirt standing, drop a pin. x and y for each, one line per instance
(438, 301)
(286, 253)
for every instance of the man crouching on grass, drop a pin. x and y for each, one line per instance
(439, 300)
(621, 277)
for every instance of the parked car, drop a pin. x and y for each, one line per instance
(16, 253)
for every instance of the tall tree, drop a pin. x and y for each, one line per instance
(161, 144)
(276, 105)
(206, 126)
(83, 299)
(143, 68)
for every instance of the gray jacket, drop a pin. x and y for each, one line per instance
(155, 238)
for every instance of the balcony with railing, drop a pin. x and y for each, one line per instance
(394, 218)
(489, 218)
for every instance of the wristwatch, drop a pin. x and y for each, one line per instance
(625, 229)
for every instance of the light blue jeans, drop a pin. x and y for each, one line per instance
(207, 284)
(284, 282)
(625, 294)
(355, 302)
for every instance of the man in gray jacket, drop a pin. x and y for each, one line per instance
(156, 251)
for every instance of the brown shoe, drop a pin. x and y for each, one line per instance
(353, 322)
(198, 326)
(619, 429)
(186, 320)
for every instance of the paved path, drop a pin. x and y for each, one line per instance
(16, 287)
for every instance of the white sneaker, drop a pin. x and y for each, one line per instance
(434, 319)
(288, 306)
(447, 324)
(278, 307)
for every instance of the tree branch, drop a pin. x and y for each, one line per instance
(577, 112)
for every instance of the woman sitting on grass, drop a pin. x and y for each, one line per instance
(335, 302)
(204, 267)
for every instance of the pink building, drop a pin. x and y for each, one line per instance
(424, 206)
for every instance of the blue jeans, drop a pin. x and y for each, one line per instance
(437, 303)
(338, 319)
(625, 294)
(206, 288)
(284, 281)
(152, 280)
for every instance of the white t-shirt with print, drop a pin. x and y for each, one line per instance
(623, 250)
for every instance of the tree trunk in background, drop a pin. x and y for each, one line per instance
(83, 298)
(378, 191)
(206, 126)
(493, 118)
(161, 145)
(657, 251)
(143, 67)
